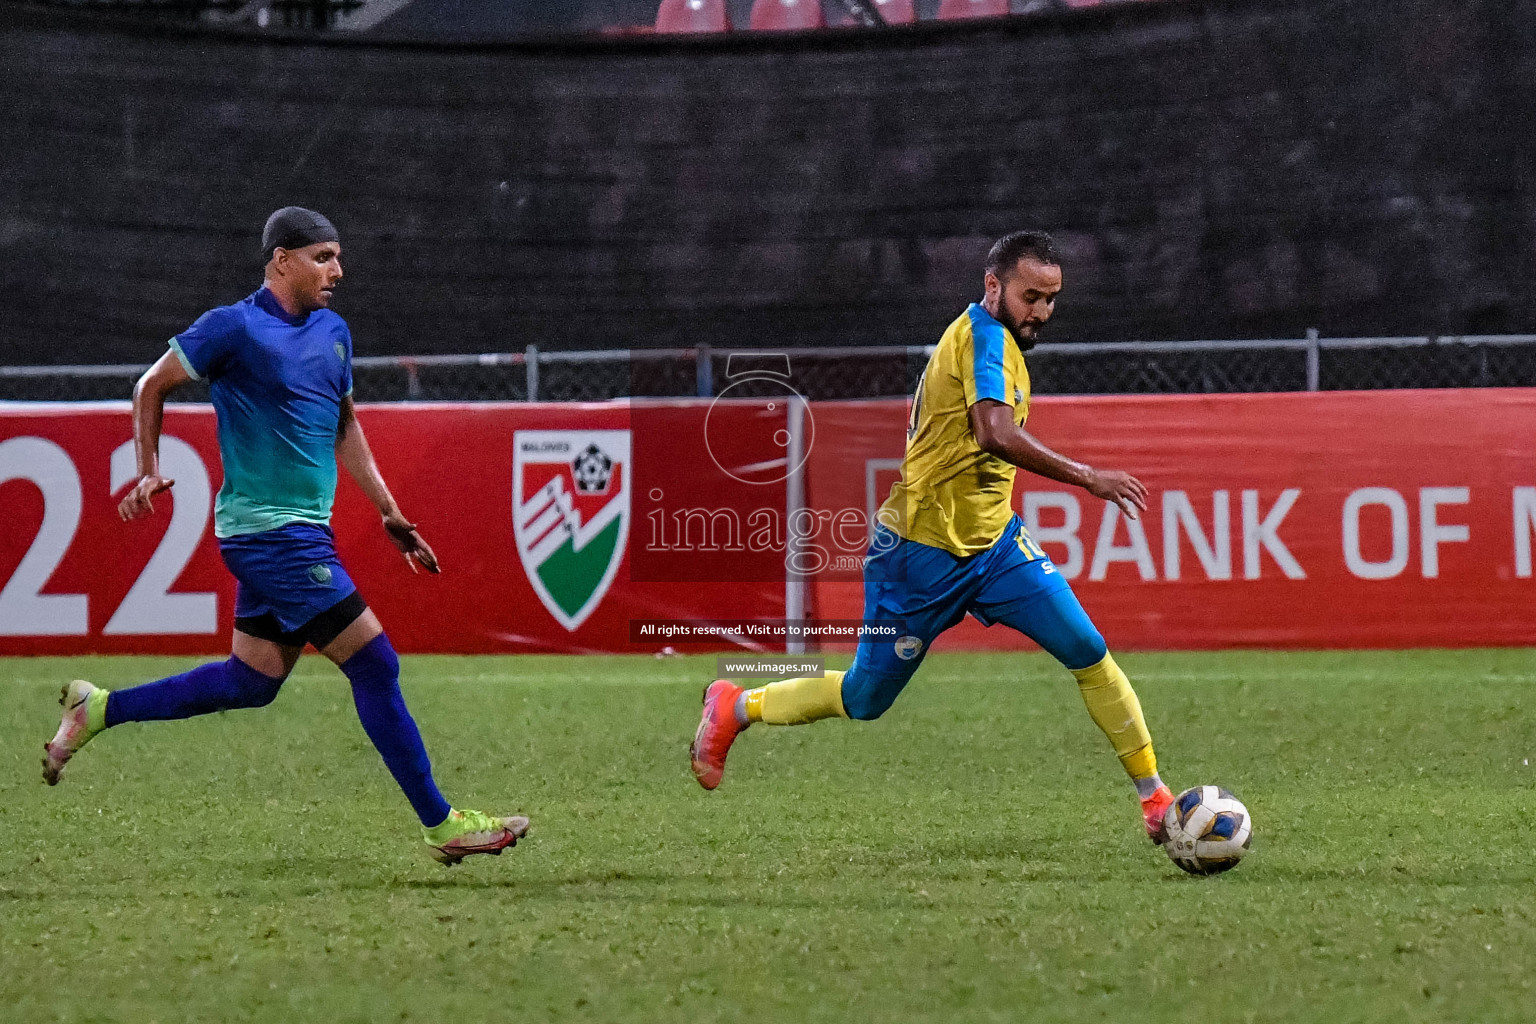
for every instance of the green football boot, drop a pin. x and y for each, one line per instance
(469, 832)
(85, 715)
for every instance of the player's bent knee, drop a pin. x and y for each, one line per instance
(375, 663)
(1084, 651)
(250, 688)
(868, 698)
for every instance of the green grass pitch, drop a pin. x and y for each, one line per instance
(976, 855)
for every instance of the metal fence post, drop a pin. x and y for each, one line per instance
(1312, 359)
(704, 372)
(794, 504)
(531, 369)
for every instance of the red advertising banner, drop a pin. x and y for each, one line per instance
(556, 525)
(1378, 519)
(1346, 519)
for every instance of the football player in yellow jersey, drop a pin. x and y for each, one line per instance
(948, 542)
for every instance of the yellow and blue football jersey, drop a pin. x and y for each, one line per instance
(952, 495)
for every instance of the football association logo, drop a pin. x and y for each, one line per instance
(570, 515)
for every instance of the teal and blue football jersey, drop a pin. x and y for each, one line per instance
(277, 383)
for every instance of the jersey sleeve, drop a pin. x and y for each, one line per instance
(981, 362)
(206, 347)
(346, 361)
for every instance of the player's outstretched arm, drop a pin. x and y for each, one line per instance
(997, 434)
(148, 414)
(356, 458)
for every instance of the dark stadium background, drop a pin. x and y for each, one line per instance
(1243, 170)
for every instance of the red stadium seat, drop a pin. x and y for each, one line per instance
(957, 10)
(692, 16)
(778, 15)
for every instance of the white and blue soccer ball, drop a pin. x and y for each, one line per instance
(1209, 830)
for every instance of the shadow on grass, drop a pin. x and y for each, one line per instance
(1387, 876)
(654, 889)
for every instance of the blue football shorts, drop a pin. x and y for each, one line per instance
(926, 590)
(287, 578)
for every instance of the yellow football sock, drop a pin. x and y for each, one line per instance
(1113, 706)
(797, 701)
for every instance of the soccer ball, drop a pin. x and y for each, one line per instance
(591, 470)
(1209, 830)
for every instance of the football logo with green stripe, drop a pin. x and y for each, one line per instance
(570, 515)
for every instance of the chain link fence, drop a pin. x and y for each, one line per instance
(1206, 367)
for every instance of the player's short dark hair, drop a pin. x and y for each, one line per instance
(1008, 250)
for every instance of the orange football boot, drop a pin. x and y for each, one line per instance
(717, 730)
(1152, 810)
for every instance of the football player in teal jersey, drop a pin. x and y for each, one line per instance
(279, 371)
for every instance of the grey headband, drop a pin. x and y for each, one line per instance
(294, 227)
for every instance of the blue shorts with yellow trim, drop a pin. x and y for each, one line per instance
(927, 590)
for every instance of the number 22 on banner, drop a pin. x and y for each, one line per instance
(149, 607)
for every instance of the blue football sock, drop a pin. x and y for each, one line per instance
(218, 686)
(375, 675)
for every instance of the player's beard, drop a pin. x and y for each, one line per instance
(1016, 328)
